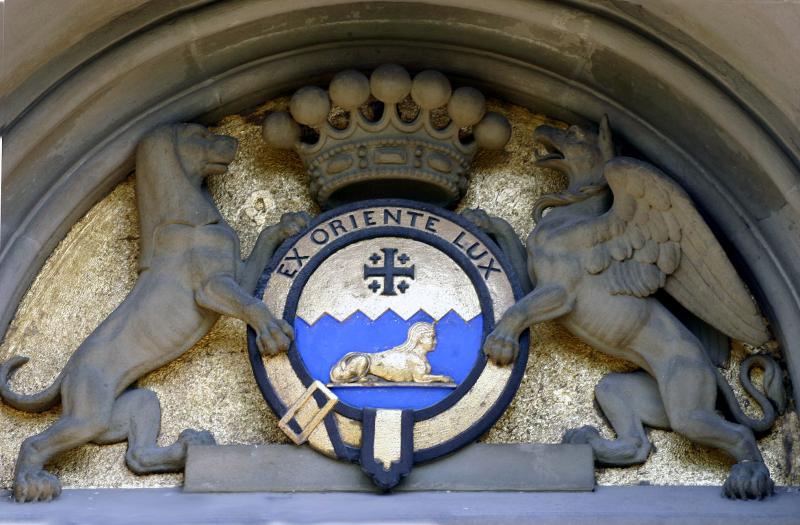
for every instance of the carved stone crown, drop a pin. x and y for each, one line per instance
(390, 144)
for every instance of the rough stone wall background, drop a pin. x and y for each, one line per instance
(211, 386)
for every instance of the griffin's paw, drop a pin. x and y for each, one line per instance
(36, 486)
(274, 336)
(581, 436)
(748, 480)
(293, 223)
(501, 347)
(196, 437)
(479, 218)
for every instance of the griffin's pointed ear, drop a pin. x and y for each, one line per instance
(605, 141)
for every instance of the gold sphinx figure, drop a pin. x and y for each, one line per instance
(406, 363)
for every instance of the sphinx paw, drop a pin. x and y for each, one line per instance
(581, 436)
(191, 436)
(748, 480)
(37, 485)
(501, 347)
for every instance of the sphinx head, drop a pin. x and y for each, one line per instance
(577, 152)
(422, 336)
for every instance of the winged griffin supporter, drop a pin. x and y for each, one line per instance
(621, 232)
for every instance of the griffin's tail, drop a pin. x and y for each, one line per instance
(38, 402)
(775, 397)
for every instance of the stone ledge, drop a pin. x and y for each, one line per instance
(642, 505)
(479, 467)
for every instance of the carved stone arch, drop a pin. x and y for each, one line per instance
(70, 128)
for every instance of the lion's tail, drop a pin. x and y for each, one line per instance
(351, 368)
(38, 402)
(775, 397)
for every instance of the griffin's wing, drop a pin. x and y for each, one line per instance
(653, 237)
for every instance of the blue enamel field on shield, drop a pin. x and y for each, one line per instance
(324, 343)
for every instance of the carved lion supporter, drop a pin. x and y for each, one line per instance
(190, 274)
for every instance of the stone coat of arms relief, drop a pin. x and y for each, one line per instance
(620, 232)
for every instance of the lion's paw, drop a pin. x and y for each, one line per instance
(293, 223)
(501, 347)
(196, 437)
(748, 480)
(581, 436)
(275, 336)
(38, 485)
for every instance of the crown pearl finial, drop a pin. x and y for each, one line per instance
(493, 131)
(310, 105)
(430, 89)
(466, 107)
(349, 89)
(390, 83)
(281, 130)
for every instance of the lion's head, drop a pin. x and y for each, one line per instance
(171, 163)
(196, 150)
(201, 152)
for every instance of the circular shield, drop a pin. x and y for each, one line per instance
(390, 302)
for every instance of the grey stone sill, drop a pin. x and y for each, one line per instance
(639, 505)
(286, 468)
